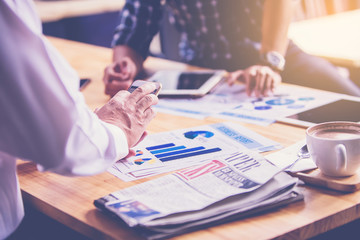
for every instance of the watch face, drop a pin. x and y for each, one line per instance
(276, 60)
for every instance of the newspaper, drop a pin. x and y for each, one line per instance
(213, 192)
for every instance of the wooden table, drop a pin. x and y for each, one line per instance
(334, 37)
(70, 200)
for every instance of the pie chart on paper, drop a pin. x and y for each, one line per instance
(194, 134)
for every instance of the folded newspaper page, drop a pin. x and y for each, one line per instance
(213, 192)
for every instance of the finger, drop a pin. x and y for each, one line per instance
(230, 80)
(142, 137)
(260, 81)
(250, 80)
(146, 102)
(268, 85)
(107, 74)
(119, 71)
(273, 85)
(110, 91)
(234, 76)
(149, 113)
(276, 82)
(125, 69)
(147, 116)
(142, 91)
(257, 80)
(266, 89)
(131, 153)
(115, 86)
(118, 76)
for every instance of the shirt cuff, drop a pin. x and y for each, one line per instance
(120, 141)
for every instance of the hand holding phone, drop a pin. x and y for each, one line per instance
(130, 112)
(138, 83)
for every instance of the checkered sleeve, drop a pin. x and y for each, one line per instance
(139, 22)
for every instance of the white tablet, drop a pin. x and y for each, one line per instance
(340, 110)
(187, 83)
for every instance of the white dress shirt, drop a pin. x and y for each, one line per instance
(43, 116)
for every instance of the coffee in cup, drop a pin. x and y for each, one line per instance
(335, 147)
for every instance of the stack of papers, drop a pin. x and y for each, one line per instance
(173, 150)
(213, 192)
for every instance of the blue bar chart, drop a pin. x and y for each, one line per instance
(169, 151)
(172, 150)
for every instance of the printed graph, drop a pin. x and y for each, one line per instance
(296, 103)
(194, 134)
(142, 160)
(170, 151)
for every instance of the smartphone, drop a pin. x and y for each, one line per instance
(83, 83)
(138, 83)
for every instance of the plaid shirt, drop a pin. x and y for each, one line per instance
(212, 31)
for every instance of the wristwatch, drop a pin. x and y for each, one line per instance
(274, 60)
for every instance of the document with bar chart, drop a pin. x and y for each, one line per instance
(168, 151)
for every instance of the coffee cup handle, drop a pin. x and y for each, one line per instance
(340, 151)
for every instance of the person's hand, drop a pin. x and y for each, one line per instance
(131, 112)
(260, 80)
(119, 75)
(133, 152)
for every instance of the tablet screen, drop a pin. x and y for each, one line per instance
(341, 110)
(187, 83)
(192, 80)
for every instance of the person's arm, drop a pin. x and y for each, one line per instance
(277, 15)
(44, 117)
(262, 79)
(139, 22)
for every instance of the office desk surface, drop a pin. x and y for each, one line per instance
(70, 200)
(334, 37)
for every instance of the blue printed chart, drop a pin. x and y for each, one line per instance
(287, 101)
(173, 150)
(233, 103)
(170, 151)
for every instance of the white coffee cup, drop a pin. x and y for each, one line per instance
(335, 147)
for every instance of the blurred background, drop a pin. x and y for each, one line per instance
(325, 28)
